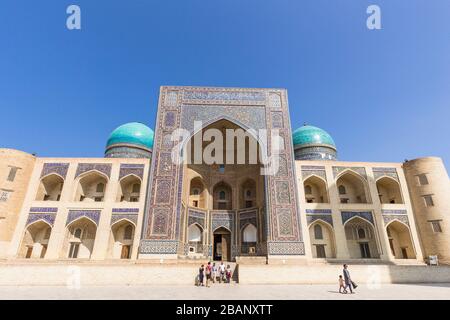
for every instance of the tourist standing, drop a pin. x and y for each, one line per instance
(201, 271)
(347, 278)
(228, 274)
(222, 272)
(214, 272)
(208, 273)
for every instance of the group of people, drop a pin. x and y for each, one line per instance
(213, 273)
(346, 281)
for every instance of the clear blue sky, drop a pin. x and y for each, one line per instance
(383, 95)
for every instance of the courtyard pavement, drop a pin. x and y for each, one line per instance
(231, 291)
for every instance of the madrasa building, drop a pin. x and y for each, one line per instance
(138, 203)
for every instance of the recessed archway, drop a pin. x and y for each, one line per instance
(400, 241)
(129, 189)
(352, 188)
(322, 240)
(91, 187)
(80, 238)
(122, 239)
(222, 196)
(389, 190)
(361, 239)
(35, 240)
(222, 244)
(315, 190)
(50, 188)
(247, 194)
(197, 193)
(195, 239)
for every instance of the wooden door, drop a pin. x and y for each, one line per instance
(29, 252)
(125, 252)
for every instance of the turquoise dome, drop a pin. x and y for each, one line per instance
(134, 133)
(312, 136)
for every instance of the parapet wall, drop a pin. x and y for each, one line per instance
(66, 274)
(328, 274)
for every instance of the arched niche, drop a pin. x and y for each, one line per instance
(389, 190)
(400, 241)
(91, 187)
(122, 239)
(222, 196)
(35, 240)
(80, 238)
(352, 188)
(322, 240)
(129, 189)
(361, 239)
(315, 190)
(50, 188)
(197, 193)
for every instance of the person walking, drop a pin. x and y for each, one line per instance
(341, 285)
(347, 278)
(208, 273)
(201, 271)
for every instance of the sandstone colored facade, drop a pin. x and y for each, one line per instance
(136, 205)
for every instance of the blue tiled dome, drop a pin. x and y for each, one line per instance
(312, 143)
(311, 136)
(133, 133)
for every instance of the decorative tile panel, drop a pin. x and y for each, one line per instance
(286, 248)
(360, 170)
(158, 246)
(283, 192)
(251, 117)
(160, 223)
(127, 169)
(163, 191)
(277, 120)
(318, 211)
(388, 172)
(387, 218)
(249, 217)
(58, 168)
(394, 212)
(171, 98)
(125, 210)
(224, 96)
(222, 219)
(347, 215)
(274, 100)
(101, 167)
(47, 217)
(308, 171)
(93, 215)
(196, 216)
(128, 216)
(325, 217)
(43, 210)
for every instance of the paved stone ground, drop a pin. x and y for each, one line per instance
(232, 291)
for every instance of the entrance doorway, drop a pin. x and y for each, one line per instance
(222, 245)
(365, 251)
(126, 250)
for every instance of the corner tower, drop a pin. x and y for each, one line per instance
(429, 188)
